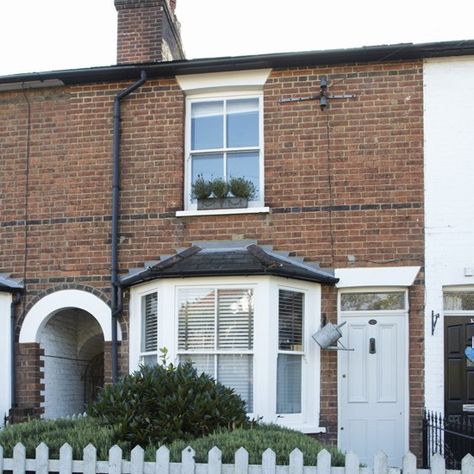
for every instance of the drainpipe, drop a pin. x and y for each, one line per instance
(16, 298)
(116, 300)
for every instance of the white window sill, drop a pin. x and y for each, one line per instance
(219, 212)
(303, 428)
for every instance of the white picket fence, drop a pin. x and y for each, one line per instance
(19, 464)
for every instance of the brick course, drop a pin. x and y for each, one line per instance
(346, 181)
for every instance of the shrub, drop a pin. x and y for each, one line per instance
(78, 433)
(242, 188)
(256, 440)
(160, 404)
(201, 188)
(220, 188)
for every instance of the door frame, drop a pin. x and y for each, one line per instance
(447, 314)
(406, 313)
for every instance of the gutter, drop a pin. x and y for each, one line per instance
(123, 72)
(116, 299)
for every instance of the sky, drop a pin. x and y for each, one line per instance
(45, 35)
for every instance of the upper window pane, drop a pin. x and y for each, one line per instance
(242, 123)
(372, 301)
(196, 318)
(235, 319)
(459, 301)
(290, 320)
(150, 323)
(207, 125)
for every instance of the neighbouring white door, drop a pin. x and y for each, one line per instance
(373, 385)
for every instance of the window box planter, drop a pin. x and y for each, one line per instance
(222, 203)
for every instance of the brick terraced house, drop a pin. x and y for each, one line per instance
(106, 255)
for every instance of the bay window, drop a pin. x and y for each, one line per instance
(252, 334)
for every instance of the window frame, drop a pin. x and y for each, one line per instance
(222, 96)
(265, 339)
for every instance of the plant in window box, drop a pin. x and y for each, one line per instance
(241, 191)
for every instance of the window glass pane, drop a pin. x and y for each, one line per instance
(208, 166)
(289, 383)
(196, 318)
(235, 320)
(244, 165)
(460, 301)
(207, 125)
(149, 323)
(202, 362)
(372, 301)
(242, 123)
(236, 371)
(149, 360)
(290, 320)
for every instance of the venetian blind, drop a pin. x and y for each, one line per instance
(196, 318)
(235, 319)
(150, 323)
(290, 320)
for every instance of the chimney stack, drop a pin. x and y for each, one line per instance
(147, 31)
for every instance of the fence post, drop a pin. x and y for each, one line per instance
(42, 455)
(137, 459)
(162, 465)
(65, 459)
(296, 462)
(380, 463)
(187, 460)
(409, 463)
(115, 460)
(241, 461)
(352, 463)
(467, 464)
(89, 459)
(268, 462)
(214, 460)
(324, 462)
(19, 459)
(1, 459)
(438, 464)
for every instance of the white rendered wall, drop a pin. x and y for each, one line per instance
(66, 352)
(449, 199)
(5, 355)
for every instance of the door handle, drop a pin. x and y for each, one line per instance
(372, 345)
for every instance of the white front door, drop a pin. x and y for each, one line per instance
(373, 386)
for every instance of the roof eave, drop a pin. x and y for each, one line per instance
(380, 53)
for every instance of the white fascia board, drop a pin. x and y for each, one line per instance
(376, 276)
(223, 81)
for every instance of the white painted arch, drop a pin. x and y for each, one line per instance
(43, 310)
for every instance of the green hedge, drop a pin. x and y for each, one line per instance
(79, 433)
(256, 440)
(54, 433)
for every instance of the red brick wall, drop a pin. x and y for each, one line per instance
(362, 198)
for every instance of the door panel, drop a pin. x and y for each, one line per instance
(459, 370)
(372, 387)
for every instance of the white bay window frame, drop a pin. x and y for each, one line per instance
(258, 203)
(265, 345)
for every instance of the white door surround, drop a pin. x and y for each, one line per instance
(373, 396)
(42, 311)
